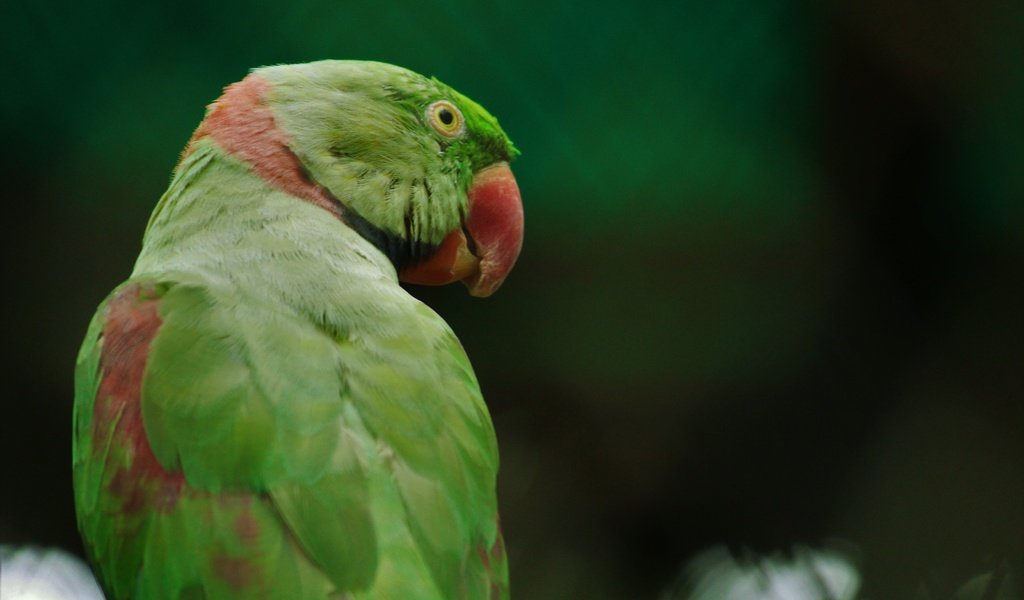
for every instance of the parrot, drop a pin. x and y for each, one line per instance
(261, 410)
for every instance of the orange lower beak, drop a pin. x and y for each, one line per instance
(484, 250)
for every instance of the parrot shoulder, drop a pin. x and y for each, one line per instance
(190, 400)
(370, 456)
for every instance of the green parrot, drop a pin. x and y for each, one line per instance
(261, 411)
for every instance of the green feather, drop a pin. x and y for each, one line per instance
(343, 117)
(328, 427)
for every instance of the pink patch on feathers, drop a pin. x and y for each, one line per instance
(140, 482)
(247, 527)
(242, 124)
(238, 573)
(489, 557)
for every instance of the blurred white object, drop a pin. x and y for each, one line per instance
(807, 575)
(999, 584)
(45, 574)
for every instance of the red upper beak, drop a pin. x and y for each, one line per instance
(494, 225)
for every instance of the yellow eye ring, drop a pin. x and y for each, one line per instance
(445, 118)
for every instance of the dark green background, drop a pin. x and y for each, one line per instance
(771, 290)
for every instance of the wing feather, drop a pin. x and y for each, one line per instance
(281, 456)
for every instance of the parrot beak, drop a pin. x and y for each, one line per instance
(483, 251)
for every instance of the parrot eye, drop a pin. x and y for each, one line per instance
(445, 118)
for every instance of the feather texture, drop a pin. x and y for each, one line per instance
(262, 412)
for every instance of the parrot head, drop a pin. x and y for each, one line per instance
(415, 167)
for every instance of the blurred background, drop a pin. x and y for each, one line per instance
(770, 295)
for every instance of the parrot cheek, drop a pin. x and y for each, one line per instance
(484, 250)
